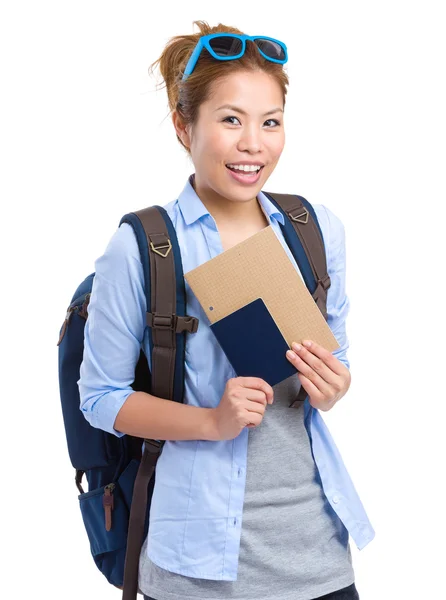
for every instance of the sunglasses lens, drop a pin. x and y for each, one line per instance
(226, 45)
(271, 49)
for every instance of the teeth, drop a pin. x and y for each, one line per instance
(245, 167)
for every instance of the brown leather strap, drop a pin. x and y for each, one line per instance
(301, 395)
(165, 325)
(137, 519)
(312, 243)
(163, 300)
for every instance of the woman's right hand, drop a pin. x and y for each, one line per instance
(243, 404)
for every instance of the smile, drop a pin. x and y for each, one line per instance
(245, 174)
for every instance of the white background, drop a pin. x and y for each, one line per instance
(85, 139)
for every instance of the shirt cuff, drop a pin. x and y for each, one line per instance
(104, 410)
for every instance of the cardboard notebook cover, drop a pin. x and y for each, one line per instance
(259, 267)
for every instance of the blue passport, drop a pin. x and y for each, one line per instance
(254, 344)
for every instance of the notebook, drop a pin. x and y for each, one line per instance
(259, 267)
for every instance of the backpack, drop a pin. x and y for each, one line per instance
(120, 472)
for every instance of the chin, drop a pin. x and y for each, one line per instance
(245, 195)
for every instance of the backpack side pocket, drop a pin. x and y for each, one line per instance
(105, 512)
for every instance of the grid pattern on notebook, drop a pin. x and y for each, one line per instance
(259, 267)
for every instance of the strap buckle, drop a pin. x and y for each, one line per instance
(161, 246)
(302, 217)
(189, 324)
(325, 282)
(157, 321)
(172, 323)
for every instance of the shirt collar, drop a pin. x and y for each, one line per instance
(269, 208)
(192, 208)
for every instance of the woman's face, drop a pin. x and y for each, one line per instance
(241, 124)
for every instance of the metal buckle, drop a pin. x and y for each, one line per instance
(158, 248)
(302, 217)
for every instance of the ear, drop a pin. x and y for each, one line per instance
(181, 129)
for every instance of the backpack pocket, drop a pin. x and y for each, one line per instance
(105, 512)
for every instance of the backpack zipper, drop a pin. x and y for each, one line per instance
(108, 504)
(82, 311)
(70, 311)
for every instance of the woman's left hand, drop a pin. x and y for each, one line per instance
(324, 377)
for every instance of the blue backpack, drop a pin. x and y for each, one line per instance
(120, 472)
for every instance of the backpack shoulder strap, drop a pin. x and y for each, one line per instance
(167, 322)
(310, 252)
(166, 299)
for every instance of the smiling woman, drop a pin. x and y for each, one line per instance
(228, 114)
(251, 498)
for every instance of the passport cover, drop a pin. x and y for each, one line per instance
(254, 344)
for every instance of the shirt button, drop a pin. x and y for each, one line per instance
(336, 499)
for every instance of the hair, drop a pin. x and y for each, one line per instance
(186, 96)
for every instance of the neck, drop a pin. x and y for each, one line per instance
(227, 212)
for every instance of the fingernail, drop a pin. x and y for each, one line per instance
(290, 354)
(307, 343)
(296, 347)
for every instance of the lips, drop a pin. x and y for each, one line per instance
(230, 165)
(245, 177)
(242, 171)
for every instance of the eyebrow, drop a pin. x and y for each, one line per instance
(242, 112)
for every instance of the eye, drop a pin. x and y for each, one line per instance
(274, 122)
(226, 120)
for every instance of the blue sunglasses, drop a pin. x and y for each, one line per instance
(230, 46)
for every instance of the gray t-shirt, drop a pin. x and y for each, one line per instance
(293, 546)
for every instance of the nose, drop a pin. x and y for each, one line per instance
(250, 140)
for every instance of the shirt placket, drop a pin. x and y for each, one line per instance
(239, 444)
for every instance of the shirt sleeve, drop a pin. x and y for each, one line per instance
(114, 331)
(338, 304)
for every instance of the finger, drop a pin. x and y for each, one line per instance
(256, 407)
(314, 369)
(317, 364)
(258, 384)
(325, 355)
(254, 395)
(316, 399)
(254, 419)
(311, 389)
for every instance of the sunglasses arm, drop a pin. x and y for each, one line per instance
(193, 60)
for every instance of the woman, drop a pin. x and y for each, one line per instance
(239, 510)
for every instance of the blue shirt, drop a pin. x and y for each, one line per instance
(197, 501)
